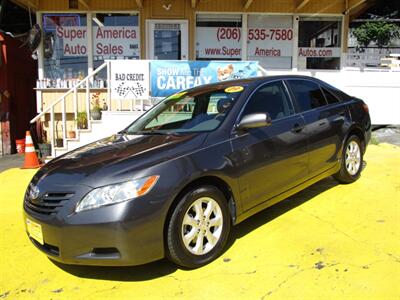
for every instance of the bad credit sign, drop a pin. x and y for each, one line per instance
(108, 41)
(130, 79)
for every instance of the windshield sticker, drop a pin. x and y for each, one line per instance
(176, 96)
(234, 89)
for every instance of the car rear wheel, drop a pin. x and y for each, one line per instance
(352, 160)
(198, 228)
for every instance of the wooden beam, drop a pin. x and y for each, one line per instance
(300, 4)
(247, 4)
(139, 3)
(361, 9)
(194, 2)
(84, 4)
(26, 4)
(353, 4)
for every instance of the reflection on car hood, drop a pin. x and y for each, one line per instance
(113, 158)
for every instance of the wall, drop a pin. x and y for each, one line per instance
(17, 76)
(182, 9)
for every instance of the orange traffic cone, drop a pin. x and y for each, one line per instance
(31, 159)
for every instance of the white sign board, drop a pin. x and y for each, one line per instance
(130, 79)
(319, 52)
(270, 42)
(218, 42)
(225, 42)
(266, 37)
(116, 41)
(109, 41)
(74, 40)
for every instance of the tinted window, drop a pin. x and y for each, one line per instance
(331, 98)
(338, 93)
(271, 98)
(307, 93)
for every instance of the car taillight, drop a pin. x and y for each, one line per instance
(365, 107)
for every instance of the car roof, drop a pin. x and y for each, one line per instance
(249, 81)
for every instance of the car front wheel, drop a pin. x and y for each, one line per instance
(352, 160)
(199, 227)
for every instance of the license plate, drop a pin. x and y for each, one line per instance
(35, 231)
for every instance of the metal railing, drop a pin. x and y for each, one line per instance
(84, 83)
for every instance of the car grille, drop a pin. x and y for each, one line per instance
(48, 203)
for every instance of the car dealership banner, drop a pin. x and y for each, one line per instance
(168, 77)
(109, 41)
(129, 79)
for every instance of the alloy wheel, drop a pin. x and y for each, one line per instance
(202, 226)
(353, 158)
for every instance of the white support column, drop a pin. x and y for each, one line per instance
(51, 125)
(64, 122)
(109, 84)
(295, 42)
(344, 40)
(89, 27)
(39, 52)
(244, 36)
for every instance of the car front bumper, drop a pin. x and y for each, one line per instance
(129, 233)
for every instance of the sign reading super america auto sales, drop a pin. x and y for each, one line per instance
(108, 41)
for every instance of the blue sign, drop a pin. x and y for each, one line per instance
(168, 77)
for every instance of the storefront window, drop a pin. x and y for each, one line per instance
(65, 48)
(319, 43)
(270, 41)
(115, 36)
(218, 37)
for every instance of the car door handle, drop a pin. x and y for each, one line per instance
(297, 128)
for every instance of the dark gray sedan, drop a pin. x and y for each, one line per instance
(175, 181)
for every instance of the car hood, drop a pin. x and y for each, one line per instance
(115, 159)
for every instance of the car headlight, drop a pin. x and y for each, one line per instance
(116, 193)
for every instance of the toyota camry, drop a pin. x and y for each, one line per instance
(174, 182)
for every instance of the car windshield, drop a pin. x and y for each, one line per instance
(188, 111)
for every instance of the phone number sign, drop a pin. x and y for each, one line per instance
(225, 42)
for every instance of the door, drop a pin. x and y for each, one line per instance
(167, 39)
(324, 118)
(271, 159)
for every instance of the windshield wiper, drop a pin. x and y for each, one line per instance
(146, 132)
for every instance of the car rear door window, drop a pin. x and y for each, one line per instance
(330, 98)
(271, 98)
(307, 93)
(342, 96)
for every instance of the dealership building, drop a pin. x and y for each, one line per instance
(80, 37)
(291, 34)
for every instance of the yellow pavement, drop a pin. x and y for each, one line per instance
(328, 242)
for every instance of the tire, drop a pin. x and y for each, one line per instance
(191, 242)
(352, 160)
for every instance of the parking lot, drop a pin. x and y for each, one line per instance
(329, 241)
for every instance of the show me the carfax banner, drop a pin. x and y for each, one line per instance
(168, 77)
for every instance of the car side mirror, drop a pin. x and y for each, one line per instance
(256, 120)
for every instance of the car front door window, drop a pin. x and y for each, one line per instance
(272, 99)
(270, 159)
